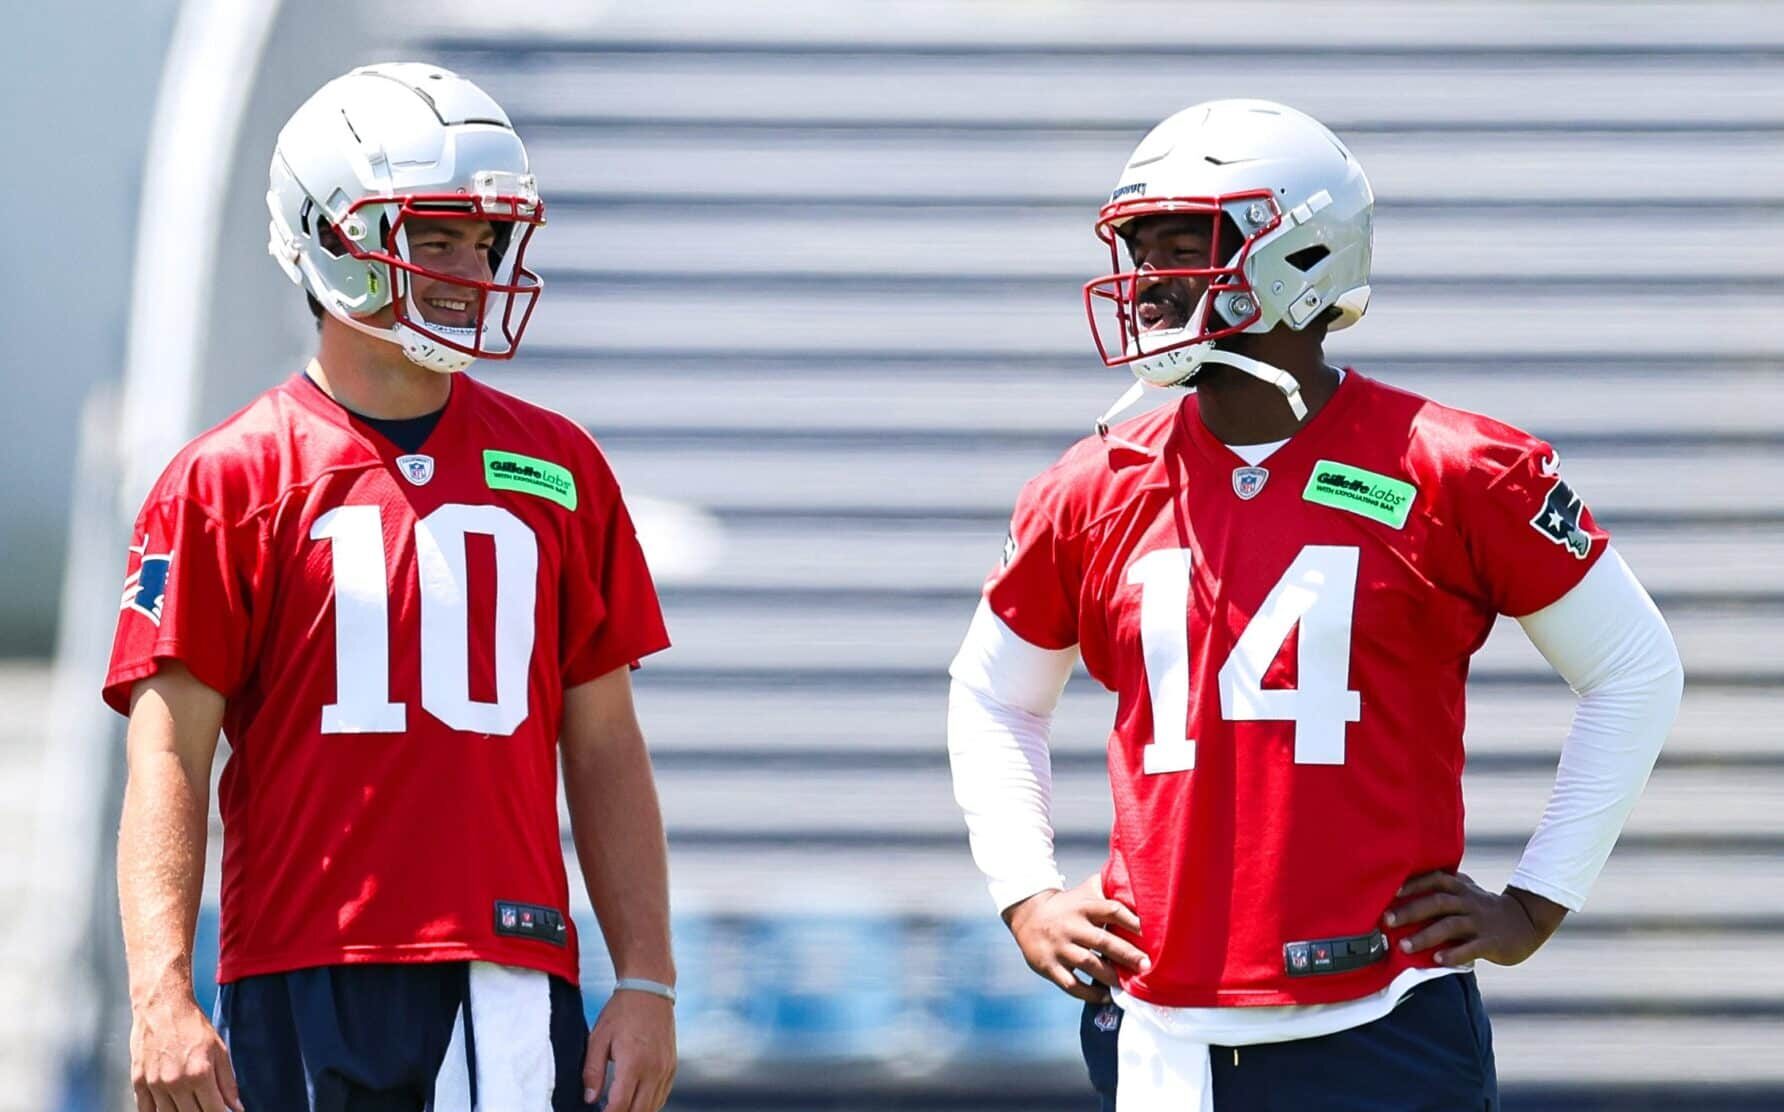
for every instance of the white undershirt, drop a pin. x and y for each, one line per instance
(1605, 637)
(1255, 454)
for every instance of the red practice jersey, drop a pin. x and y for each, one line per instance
(1289, 645)
(393, 635)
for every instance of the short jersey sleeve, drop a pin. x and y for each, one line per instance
(185, 598)
(1530, 537)
(1035, 588)
(611, 614)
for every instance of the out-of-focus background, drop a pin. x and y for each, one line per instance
(813, 276)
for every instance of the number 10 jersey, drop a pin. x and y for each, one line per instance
(393, 634)
(1289, 645)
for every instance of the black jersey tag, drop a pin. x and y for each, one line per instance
(542, 924)
(1333, 955)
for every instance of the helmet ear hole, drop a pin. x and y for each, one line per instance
(1307, 257)
(330, 240)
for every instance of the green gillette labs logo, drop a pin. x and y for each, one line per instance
(513, 471)
(1343, 487)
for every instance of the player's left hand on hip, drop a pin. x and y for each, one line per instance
(1464, 922)
(634, 1039)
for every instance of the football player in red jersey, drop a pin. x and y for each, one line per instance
(403, 596)
(1282, 578)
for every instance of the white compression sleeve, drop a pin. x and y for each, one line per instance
(1000, 708)
(1608, 641)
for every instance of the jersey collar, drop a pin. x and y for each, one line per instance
(311, 396)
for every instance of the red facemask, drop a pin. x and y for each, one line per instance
(505, 301)
(1117, 294)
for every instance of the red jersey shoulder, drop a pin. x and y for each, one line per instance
(1457, 445)
(535, 429)
(237, 465)
(1096, 475)
(1452, 452)
(1530, 536)
(1035, 589)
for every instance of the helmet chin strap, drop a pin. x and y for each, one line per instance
(1257, 368)
(1271, 374)
(1127, 399)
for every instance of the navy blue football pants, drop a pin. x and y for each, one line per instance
(375, 1038)
(1432, 1053)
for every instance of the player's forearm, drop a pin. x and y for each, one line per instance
(161, 845)
(172, 739)
(1545, 914)
(618, 827)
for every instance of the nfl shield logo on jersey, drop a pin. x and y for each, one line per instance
(417, 469)
(1107, 1018)
(1247, 481)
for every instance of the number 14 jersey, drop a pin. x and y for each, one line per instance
(393, 634)
(1289, 645)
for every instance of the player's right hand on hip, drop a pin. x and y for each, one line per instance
(177, 1061)
(1064, 933)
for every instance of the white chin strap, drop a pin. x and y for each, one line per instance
(1123, 402)
(1179, 367)
(1257, 368)
(1273, 375)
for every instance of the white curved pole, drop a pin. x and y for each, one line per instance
(212, 61)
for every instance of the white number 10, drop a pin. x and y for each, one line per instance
(362, 619)
(1317, 592)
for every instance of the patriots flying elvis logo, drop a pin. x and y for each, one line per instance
(145, 587)
(1559, 520)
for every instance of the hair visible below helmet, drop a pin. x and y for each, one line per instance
(1303, 212)
(382, 146)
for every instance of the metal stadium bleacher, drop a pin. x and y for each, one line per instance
(814, 287)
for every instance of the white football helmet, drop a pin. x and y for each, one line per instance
(1303, 210)
(381, 146)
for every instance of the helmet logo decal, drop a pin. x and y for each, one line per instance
(1136, 187)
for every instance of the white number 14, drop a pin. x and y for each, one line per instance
(1317, 592)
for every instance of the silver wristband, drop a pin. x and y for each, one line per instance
(639, 984)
